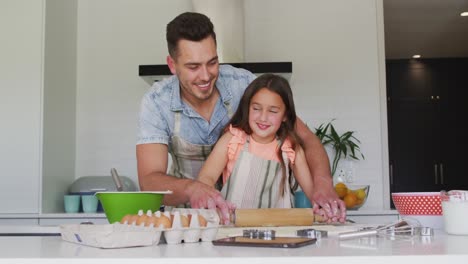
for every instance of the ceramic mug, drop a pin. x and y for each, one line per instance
(90, 203)
(71, 203)
(301, 200)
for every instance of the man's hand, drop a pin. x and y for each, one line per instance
(324, 197)
(328, 205)
(204, 196)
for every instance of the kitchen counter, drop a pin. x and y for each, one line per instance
(367, 216)
(103, 216)
(435, 249)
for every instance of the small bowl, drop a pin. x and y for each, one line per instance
(118, 204)
(354, 196)
(424, 207)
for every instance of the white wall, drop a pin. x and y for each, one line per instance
(114, 38)
(228, 19)
(335, 47)
(20, 104)
(333, 44)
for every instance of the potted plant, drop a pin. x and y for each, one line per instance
(344, 145)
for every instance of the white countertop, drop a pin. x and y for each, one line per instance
(372, 212)
(435, 249)
(369, 211)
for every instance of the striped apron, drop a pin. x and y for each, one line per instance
(188, 158)
(255, 182)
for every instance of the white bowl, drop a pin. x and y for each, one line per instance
(434, 221)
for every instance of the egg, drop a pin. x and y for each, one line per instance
(164, 221)
(167, 214)
(151, 220)
(184, 220)
(189, 218)
(172, 219)
(141, 219)
(126, 219)
(202, 221)
(133, 219)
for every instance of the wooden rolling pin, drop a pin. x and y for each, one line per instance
(274, 217)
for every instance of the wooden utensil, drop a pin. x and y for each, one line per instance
(274, 217)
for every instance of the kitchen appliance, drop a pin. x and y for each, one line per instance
(89, 185)
(156, 72)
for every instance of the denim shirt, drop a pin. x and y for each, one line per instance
(156, 119)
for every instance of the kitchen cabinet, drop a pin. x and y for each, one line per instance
(20, 105)
(426, 111)
(37, 104)
(55, 219)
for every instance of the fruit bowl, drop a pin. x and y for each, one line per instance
(424, 207)
(118, 204)
(354, 196)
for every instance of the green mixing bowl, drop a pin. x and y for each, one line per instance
(118, 204)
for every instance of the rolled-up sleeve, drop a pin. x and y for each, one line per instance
(152, 127)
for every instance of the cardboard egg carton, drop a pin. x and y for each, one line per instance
(180, 224)
(111, 235)
(146, 229)
(192, 225)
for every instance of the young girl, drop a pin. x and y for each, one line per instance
(258, 149)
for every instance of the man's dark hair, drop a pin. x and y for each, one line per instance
(190, 26)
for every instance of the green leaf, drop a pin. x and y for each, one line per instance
(335, 135)
(344, 145)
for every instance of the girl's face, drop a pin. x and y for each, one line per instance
(266, 112)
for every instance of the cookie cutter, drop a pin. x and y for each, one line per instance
(312, 233)
(259, 234)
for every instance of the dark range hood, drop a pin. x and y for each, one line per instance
(154, 73)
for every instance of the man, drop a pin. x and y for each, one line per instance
(185, 114)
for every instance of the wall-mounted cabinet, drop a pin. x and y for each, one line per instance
(37, 106)
(20, 105)
(427, 110)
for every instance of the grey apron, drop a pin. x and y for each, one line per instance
(188, 158)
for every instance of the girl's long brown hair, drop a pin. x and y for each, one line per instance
(280, 86)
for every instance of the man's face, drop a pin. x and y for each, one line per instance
(197, 67)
